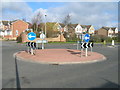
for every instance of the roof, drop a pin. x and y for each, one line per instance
(86, 26)
(113, 28)
(10, 22)
(71, 26)
(107, 28)
(83, 26)
(62, 25)
(6, 22)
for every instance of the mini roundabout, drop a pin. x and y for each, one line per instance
(59, 56)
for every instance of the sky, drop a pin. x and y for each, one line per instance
(94, 13)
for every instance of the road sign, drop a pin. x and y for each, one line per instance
(90, 44)
(86, 45)
(42, 36)
(31, 36)
(28, 44)
(31, 44)
(31, 47)
(81, 36)
(86, 37)
(41, 41)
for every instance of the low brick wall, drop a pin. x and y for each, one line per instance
(9, 37)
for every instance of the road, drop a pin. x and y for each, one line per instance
(16, 73)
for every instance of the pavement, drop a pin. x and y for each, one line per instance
(21, 74)
(66, 56)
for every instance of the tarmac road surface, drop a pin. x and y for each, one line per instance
(16, 73)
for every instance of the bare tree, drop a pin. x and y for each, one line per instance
(67, 19)
(36, 20)
(66, 22)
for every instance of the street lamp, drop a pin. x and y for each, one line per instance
(45, 24)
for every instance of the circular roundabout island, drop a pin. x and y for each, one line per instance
(60, 56)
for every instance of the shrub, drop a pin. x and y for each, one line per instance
(19, 39)
(108, 39)
(97, 38)
(72, 38)
(117, 39)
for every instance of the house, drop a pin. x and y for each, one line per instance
(59, 27)
(79, 29)
(5, 27)
(88, 29)
(108, 31)
(12, 29)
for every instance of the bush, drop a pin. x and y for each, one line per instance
(72, 38)
(117, 39)
(97, 38)
(37, 34)
(108, 39)
(19, 39)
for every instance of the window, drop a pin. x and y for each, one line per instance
(16, 32)
(116, 30)
(8, 32)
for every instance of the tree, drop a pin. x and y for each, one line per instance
(36, 20)
(67, 22)
(67, 19)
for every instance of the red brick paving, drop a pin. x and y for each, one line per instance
(60, 56)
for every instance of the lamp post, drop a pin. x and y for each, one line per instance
(45, 24)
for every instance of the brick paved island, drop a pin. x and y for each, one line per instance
(60, 56)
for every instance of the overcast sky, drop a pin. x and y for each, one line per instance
(97, 14)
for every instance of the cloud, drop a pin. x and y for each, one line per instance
(60, 0)
(15, 10)
(39, 14)
(94, 13)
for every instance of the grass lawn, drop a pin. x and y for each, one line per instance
(74, 42)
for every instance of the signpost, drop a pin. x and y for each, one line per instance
(90, 45)
(31, 46)
(86, 39)
(40, 41)
(31, 37)
(81, 36)
(42, 36)
(86, 45)
(77, 42)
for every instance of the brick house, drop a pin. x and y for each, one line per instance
(59, 27)
(108, 31)
(12, 29)
(79, 29)
(88, 29)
